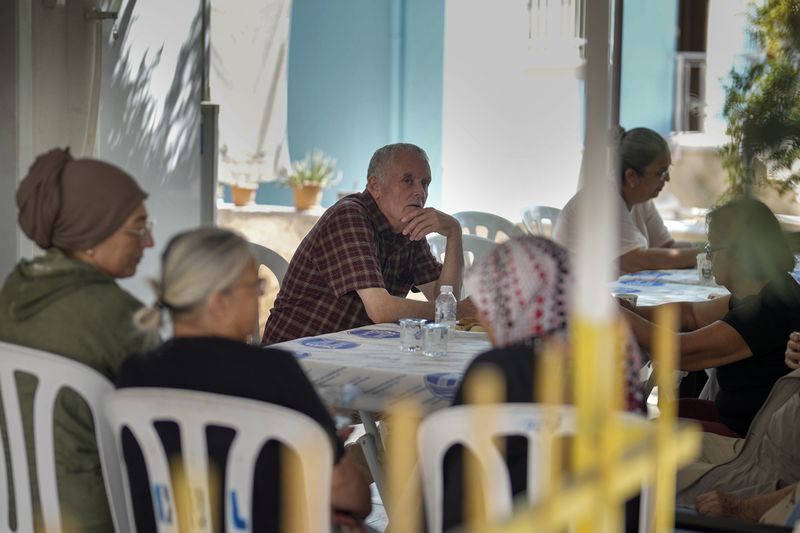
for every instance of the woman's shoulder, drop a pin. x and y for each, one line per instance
(783, 293)
(186, 353)
(509, 358)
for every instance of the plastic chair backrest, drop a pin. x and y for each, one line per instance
(443, 429)
(255, 424)
(54, 373)
(474, 248)
(494, 224)
(532, 217)
(270, 259)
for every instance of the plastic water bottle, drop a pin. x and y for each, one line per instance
(445, 312)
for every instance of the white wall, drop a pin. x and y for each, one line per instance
(45, 57)
(149, 122)
(727, 34)
(511, 134)
(9, 141)
(149, 105)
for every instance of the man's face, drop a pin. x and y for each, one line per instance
(404, 185)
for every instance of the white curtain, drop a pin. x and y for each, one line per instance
(249, 52)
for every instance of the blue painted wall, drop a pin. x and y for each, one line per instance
(423, 84)
(341, 97)
(649, 37)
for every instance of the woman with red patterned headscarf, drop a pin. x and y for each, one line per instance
(522, 292)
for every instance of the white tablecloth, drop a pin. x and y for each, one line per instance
(654, 287)
(370, 358)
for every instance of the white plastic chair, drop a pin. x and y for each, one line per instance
(494, 224)
(474, 248)
(532, 217)
(270, 259)
(443, 429)
(53, 373)
(255, 423)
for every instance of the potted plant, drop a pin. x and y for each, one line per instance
(309, 176)
(242, 174)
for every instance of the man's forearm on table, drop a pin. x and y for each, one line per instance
(383, 307)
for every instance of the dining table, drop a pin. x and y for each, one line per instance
(365, 369)
(371, 359)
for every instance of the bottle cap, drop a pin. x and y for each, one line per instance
(446, 289)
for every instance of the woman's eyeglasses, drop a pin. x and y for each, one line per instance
(143, 233)
(259, 284)
(709, 250)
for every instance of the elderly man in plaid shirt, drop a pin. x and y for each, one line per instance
(357, 264)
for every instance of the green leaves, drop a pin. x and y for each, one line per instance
(315, 169)
(762, 104)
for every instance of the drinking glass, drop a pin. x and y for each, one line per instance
(704, 271)
(434, 340)
(411, 334)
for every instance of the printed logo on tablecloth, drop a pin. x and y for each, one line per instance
(375, 333)
(642, 282)
(328, 344)
(627, 291)
(649, 274)
(301, 355)
(443, 384)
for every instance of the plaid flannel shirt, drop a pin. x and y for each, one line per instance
(351, 247)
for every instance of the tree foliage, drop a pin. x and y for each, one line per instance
(762, 104)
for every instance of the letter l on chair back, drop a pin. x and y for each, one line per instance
(54, 373)
(255, 423)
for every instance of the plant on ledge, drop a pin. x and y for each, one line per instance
(762, 105)
(309, 176)
(243, 174)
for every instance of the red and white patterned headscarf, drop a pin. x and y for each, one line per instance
(521, 287)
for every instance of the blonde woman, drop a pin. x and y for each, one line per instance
(209, 285)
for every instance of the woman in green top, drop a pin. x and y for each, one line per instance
(90, 219)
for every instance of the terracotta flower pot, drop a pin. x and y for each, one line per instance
(243, 195)
(307, 196)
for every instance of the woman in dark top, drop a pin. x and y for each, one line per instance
(521, 290)
(210, 286)
(742, 335)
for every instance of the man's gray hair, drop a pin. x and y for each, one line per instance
(384, 156)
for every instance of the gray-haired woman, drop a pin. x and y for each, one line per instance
(645, 242)
(209, 285)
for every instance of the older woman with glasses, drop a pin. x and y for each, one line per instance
(90, 219)
(644, 241)
(742, 335)
(209, 285)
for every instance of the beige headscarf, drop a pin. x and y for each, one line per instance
(74, 204)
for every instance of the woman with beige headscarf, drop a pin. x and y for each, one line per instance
(90, 219)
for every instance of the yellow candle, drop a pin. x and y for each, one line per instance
(664, 357)
(402, 479)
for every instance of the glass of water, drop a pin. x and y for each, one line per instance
(411, 334)
(339, 400)
(434, 340)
